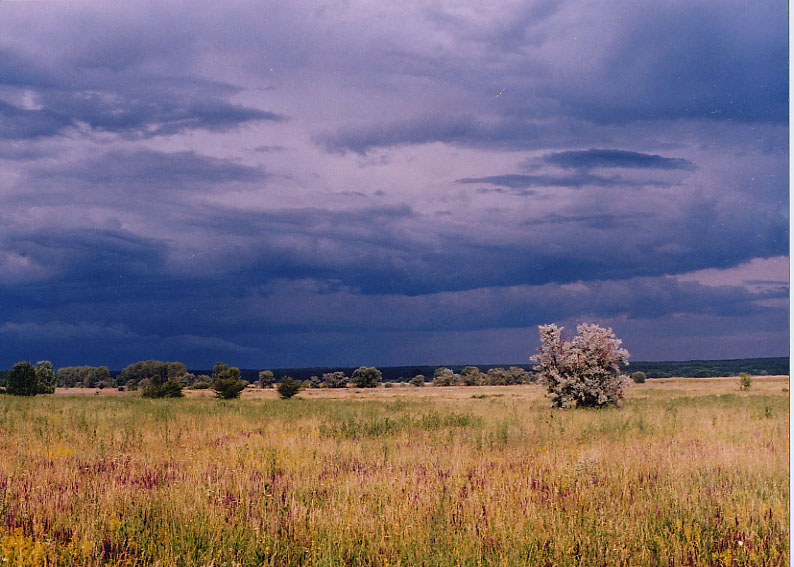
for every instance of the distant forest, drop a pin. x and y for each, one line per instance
(665, 369)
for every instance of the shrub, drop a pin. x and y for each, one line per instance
(266, 378)
(187, 379)
(227, 383)
(45, 377)
(444, 377)
(638, 377)
(334, 380)
(288, 387)
(172, 389)
(583, 371)
(418, 380)
(366, 377)
(745, 381)
(22, 380)
(471, 376)
(167, 389)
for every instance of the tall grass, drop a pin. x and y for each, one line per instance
(432, 479)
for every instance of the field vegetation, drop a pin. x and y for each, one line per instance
(687, 472)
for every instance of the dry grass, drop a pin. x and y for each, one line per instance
(688, 472)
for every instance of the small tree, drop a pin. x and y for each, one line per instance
(22, 380)
(266, 378)
(445, 377)
(366, 377)
(227, 383)
(583, 371)
(45, 377)
(202, 382)
(638, 377)
(418, 380)
(471, 376)
(172, 389)
(288, 387)
(518, 375)
(745, 381)
(156, 388)
(334, 380)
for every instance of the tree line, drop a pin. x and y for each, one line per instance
(156, 378)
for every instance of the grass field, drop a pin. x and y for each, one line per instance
(687, 472)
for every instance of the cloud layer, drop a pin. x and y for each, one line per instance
(390, 184)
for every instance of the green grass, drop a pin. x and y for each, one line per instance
(430, 476)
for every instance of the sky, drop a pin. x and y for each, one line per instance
(302, 183)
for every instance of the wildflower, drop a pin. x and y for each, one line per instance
(741, 543)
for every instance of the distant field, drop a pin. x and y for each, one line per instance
(688, 472)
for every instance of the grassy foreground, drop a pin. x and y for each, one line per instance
(686, 473)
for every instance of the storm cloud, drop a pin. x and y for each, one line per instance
(390, 184)
(587, 159)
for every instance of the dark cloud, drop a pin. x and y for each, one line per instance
(161, 109)
(86, 257)
(519, 181)
(255, 324)
(20, 123)
(144, 167)
(587, 159)
(122, 237)
(398, 250)
(563, 80)
(431, 129)
(698, 61)
(140, 104)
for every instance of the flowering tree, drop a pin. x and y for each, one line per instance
(583, 371)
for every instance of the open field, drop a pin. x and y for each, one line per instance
(688, 472)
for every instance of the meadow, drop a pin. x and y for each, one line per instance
(687, 472)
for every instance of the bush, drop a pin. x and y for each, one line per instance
(445, 377)
(288, 387)
(745, 381)
(471, 376)
(22, 380)
(583, 371)
(366, 377)
(638, 377)
(45, 377)
(334, 380)
(227, 384)
(418, 380)
(172, 389)
(167, 389)
(266, 378)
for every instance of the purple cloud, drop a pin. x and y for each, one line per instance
(315, 186)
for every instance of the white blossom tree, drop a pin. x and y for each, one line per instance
(583, 371)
